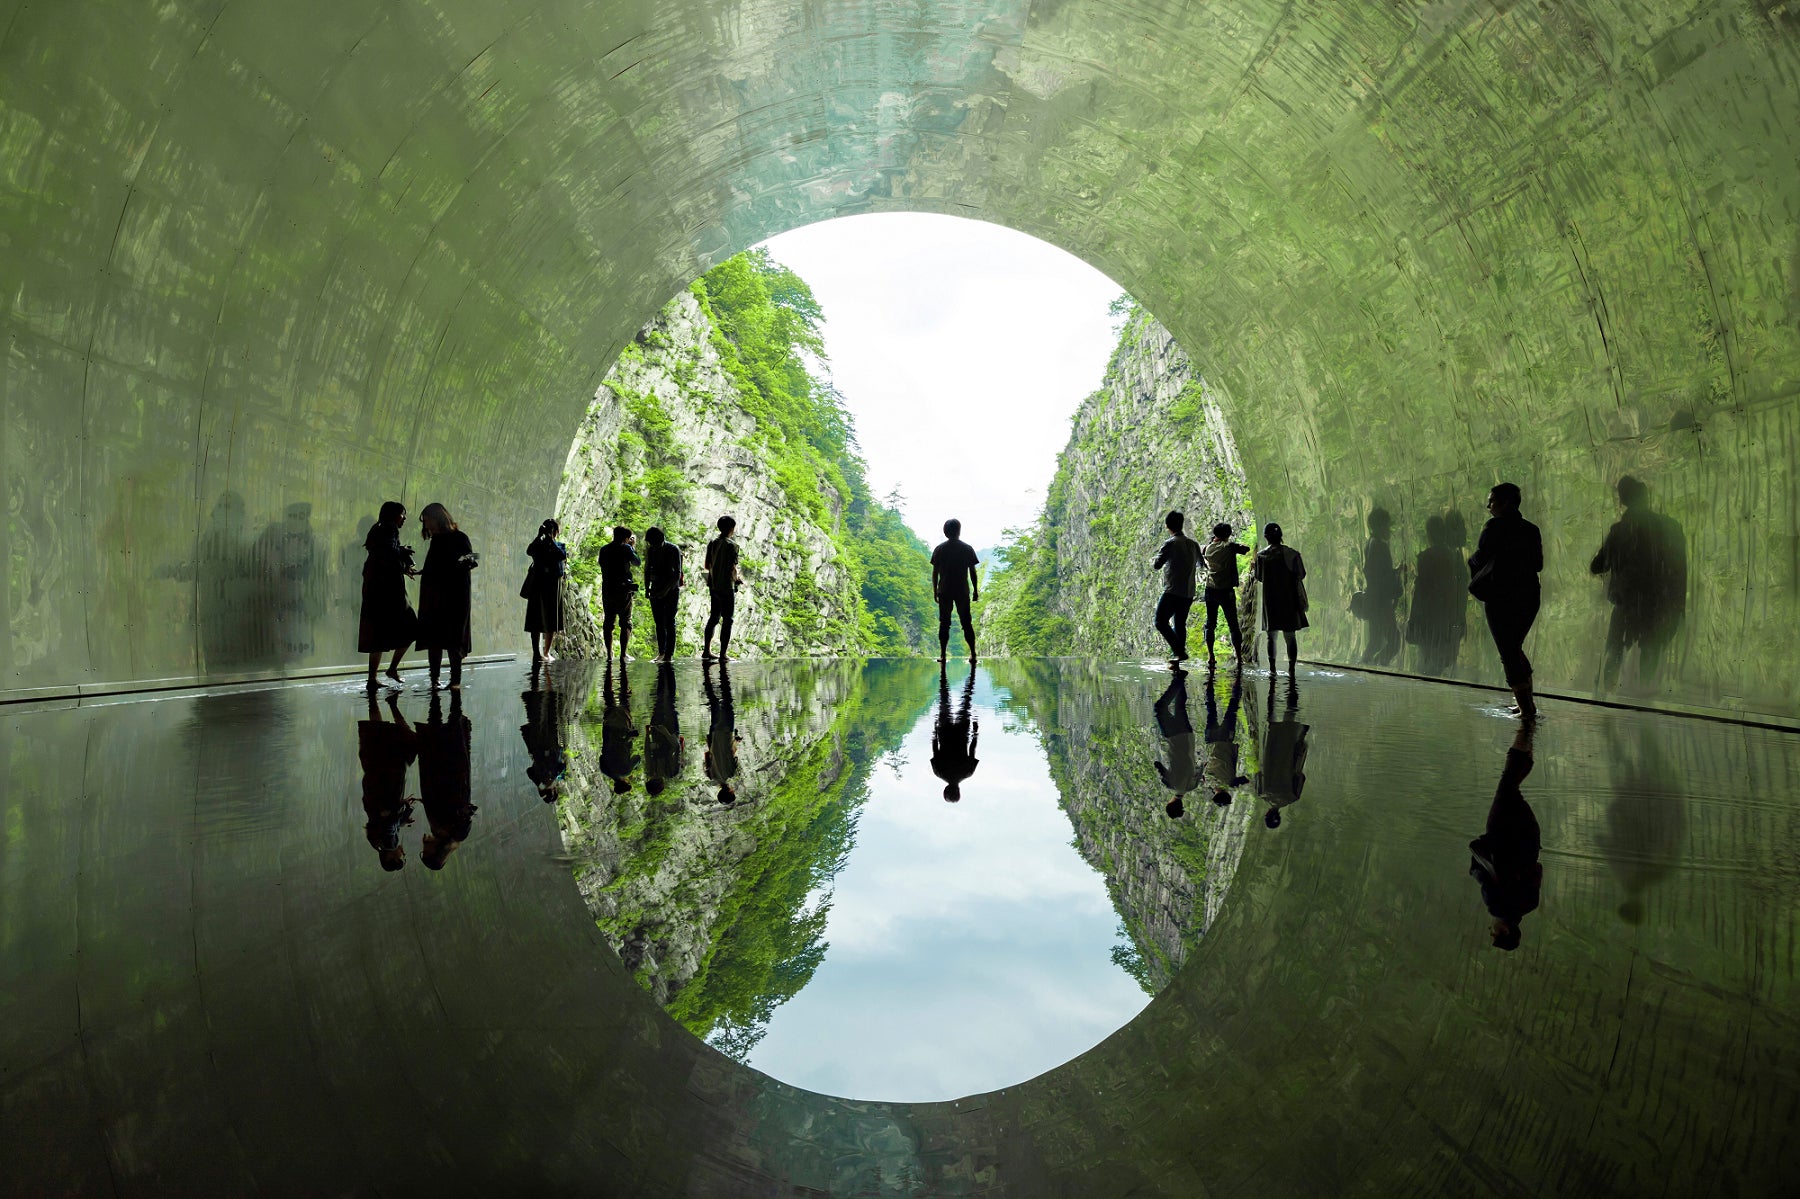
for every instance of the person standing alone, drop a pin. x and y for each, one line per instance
(722, 578)
(1503, 575)
(1179, 560)
(955, 585)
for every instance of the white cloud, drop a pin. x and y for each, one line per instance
(962, 349)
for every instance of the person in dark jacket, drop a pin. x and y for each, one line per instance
(1182, 773)
(444, 593)
(618, 735)
(618, 561)
(444, 781)
(1503, 575)
(955, 737)
(385, 749)
(542, 592)
(1219, 558)
(664, 746)
(1281, 573)
(1440, 599)
(387, 621)
(543, 735)
(1503, 861)
(662, 583)
(1179, 560)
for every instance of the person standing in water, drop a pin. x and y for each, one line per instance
(1283, 602)
(542, 592)
(1503, 575)
(445, 593)
(955, 585)
(1220, 555)
(387, 622)
(618, 560)
(1179, 560)
(662, 583)
(720, 566)
(954, 739)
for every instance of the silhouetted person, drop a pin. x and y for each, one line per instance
(1220, 774)
(955, 585)
(954, 737)
(1179, 560)
(387, 621)
(444, 781)
(1381, 592)
(618, 586)
(1182, 773)
(386, 749)
(618, 735)
(664, 746)
(1281, 770)
(444, 593)
(1220, 557)
(720, 566)
(543, 732)
(1503, 861)
(1503, 575)
(543, 589)
(721, 756)
(1282, 605)
(662, 584)
(225, 586)
(1440, 600)
(1644, 559)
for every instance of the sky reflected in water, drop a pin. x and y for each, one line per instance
(970, 943)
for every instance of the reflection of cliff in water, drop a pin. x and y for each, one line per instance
(719, 910)
(1167, 877)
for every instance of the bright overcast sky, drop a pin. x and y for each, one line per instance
(962, 349)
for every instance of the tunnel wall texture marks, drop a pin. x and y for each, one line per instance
(255, 257)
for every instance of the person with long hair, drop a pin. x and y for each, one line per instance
(1280, 570)
(444, 593)
(387, 621)
(543, 590)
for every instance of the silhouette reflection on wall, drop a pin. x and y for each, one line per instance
(1440, 598)
(1644, 559)
(1646, 821)
(1380, 596)
(1281, 769)
(953, 739)
(256, 602)
(1503, 861)
(385, 749)
(444, 781)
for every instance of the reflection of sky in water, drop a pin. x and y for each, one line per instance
(969, 943)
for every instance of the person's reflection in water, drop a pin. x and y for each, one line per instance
(721, 757)
(664, 745)
(953, 740)
(618, 736)
(1644, 559)
(1503, 861)
(543, 734)
(1281, 772)
(385, 749)
(1221, 771)
(1182, 774)
(1440, 599)
(1647, 819)
(444, 781)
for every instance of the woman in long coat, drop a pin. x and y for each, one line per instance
(542, 592)
(1283, 608)
(444, 593)
(387, 621)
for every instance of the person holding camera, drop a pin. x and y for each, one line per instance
(618, 587)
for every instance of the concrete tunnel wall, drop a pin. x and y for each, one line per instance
(265, 265)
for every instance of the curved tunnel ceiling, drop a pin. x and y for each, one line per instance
(260, 256)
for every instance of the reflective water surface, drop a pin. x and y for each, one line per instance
(1366, 907)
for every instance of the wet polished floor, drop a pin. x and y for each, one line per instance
(271, 940)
